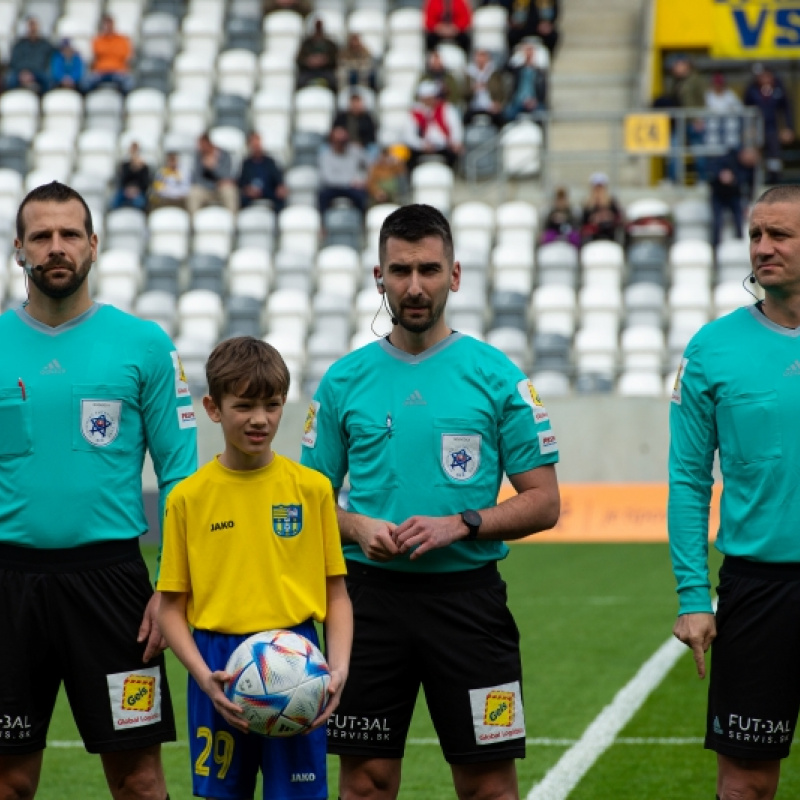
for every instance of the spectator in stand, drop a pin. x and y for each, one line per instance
(66, 67)
(602, 216)
(562, 224)
(486, 93)
(434, 127)
(113, 53)
(317, 59)
(537, 18)
(387, 181)
(342, 171)
(356, 64)
(724, 129)
(688, 90)
(261, 179)
(448, 21)
(450, 87)
(171, 184)
(302, 7)
(134, 181)
(358, 122)
(768, 94)
(29, 65)
(528, 93)
(213, 181)
(731, 183)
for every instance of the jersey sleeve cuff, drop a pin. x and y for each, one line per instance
(694, 600)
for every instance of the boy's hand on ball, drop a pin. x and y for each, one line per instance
(215, 688)
(338, 678)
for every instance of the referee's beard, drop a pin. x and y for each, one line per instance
(413, 326)
(39, 277)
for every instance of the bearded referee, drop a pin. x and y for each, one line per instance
(426, 421)
(84, 390)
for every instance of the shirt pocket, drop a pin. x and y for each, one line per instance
(16, 428)
(99, 416)
(749, 427)
(372, 456)
(463, 449)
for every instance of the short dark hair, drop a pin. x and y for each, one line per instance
(414, 222)
(247, 367)
(54, 192)
(784, 193)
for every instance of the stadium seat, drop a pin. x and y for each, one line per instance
(299, 229)
(648, 219)
(14, 153)
(644, 304)
(243, 316)
(314, 108)
(640, 383)
(255, 227)
(370, 25)
(394, 104)
(249, 273)
(200, 316)
(39, 177)
(691, 262)
(733, 260)
(554, 308)
(509, 309)
(213, 231)
(159, 36)
(332, 20)
(490, 26)
(596, 351)
(513, 269)
(517, 222)
(338, 271)
(643, 348)
(549, 383)
(371, 313)
(237, 71)
(282, 32)
(127, 15)
(692, 219)
(97, 153)
(126, 229)
(192, 72)
(432, 183)
(302, 183)
(276, 72)
(551, 352)
(558, 264)
(159, 307)
(169, 232)
(19, 113)
(52, 151)
(405, 30)
(119, 277)
(288, 311)
(188, 112)
(402, 68)
(161, 272)
(343, 225)
(729, 296)
(103, 108)
(145, 110)
(473, 225)
(513, 342)
(603, 263)
(294, 271)
(521, 144)
(207, 272)
(600, 307)
(62, 110)
(201, 35)
(375, 219)
(10, 194)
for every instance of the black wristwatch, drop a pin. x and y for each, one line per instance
(472, 519)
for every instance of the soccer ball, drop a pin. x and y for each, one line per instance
(280, 679)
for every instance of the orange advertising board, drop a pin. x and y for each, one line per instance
(614, 512)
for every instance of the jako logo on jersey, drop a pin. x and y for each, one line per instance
(303, 777)
(221, 526)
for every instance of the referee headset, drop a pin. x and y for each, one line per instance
(379, 283)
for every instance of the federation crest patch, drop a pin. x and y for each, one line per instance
(287, 521)
(181, 384)
(461, 455)
(310, 425)
(530, 396)
(135, 698)
(100, 421)
(678, 387)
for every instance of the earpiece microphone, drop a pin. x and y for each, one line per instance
(752, 278)
(24, 263)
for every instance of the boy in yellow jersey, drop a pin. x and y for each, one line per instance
(251, 544)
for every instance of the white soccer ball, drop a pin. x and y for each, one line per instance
(280, 679)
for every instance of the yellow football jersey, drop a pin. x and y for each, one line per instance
(251, 549)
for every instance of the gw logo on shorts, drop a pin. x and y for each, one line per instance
(138, 693)
(497, 713)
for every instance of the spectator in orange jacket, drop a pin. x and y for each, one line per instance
(113, 53)
(448, 21)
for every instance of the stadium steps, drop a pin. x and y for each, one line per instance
(595, 70)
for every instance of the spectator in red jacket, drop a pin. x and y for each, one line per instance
(448, 21)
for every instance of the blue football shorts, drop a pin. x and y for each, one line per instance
(225, 761)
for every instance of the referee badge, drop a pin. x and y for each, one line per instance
(100, 421)
(461, 455)
(287, 521)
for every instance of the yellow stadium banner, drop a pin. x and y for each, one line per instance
(647, 133)
(614, 512)
(755, 29)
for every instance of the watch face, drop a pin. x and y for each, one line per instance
(472, 518)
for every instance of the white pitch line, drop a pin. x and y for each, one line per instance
(565, 775)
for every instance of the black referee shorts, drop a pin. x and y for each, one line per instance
(73, 615)
(754, 690)
(451, 633)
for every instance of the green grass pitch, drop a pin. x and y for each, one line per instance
(589, 616)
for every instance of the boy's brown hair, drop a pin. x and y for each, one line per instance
(246, 367)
